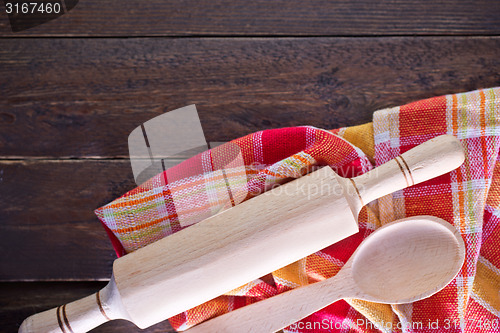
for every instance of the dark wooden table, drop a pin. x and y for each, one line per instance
(73, 89)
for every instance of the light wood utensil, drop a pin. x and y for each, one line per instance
(401, 262)
(226, 250)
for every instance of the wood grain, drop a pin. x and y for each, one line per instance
(67, 105)
(82, 97)
(48, 230)
(22, 299)
(260, 17)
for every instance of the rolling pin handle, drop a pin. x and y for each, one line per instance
(432, 158)
(79, 316)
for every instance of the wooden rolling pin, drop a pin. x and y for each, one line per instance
(243, 243)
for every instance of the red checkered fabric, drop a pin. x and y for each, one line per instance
(468, 198)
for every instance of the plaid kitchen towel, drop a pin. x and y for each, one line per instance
(468, 198)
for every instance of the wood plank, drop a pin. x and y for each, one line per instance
(20, 300)
(48, 230)
(82, 97)
(260, 17)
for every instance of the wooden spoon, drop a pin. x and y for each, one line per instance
(401, 262)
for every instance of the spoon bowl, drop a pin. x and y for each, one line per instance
(401, 262)
(407, 260)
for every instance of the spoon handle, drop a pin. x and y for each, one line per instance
(280, 311)
(432, 158)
